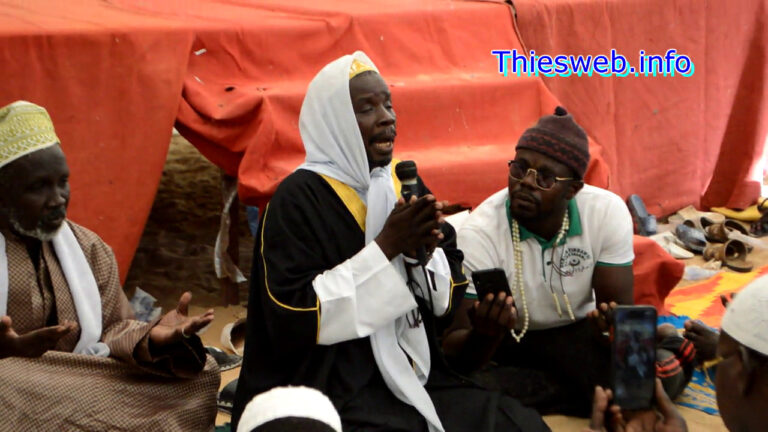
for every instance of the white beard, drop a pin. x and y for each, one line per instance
(37, 233)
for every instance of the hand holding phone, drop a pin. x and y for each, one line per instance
(497, 315)
(490, 281)
(633, 356)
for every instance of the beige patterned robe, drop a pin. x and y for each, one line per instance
(63, 391)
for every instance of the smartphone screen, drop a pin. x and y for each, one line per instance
(633, 352)
(490, 281)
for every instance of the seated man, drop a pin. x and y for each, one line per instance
(564, 247)
(60, 291)
(337, 301)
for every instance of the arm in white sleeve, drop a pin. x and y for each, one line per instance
(439, 270)
(359, 296)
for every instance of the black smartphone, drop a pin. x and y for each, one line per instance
(633, 356)
(491, 281)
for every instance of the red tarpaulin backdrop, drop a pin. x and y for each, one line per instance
(116, 74)
(674, 141)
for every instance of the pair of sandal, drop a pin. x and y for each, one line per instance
(712, 240)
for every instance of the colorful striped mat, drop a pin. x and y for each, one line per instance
(701, 302)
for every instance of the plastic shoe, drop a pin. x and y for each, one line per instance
(645, 223)
(692, 238)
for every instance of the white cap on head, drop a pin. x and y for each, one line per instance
(746, 318)
(281, 402)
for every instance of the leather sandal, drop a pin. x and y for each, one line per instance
(719, 232)
(233, 336)
(733, 254)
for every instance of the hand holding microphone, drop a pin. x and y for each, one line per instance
(414, 225)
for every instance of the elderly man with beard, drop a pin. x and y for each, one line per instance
(337, 300)
(72, 356)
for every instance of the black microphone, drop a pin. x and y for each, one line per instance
(407, 174)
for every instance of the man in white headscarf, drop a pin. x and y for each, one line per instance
(337, 300)
(72, 356)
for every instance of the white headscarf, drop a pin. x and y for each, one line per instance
(334, 147)
(328, 126)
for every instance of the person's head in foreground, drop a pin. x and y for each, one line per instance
(34, 176)
(550, 161)
(741, 384)
(742, 376)
(286, 409)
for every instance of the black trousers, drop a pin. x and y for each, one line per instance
(461, 405)
(553, 370)
(556, 370)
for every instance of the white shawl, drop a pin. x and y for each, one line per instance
(82, 285)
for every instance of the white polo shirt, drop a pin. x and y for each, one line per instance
(600, 233)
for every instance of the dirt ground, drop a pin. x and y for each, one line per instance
(176, 250)
(176, 255)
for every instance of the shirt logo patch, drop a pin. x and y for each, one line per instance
(573, 261)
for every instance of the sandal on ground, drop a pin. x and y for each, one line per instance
(225, 400)
(645, 223)
(759, 228)
(669, 243)
(233, 336)
(692, 238)
(733, 254)
(224, 360)
(719, 232)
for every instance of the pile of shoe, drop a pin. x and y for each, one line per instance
(721, 241)
(716, 241)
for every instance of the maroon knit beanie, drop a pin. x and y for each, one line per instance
(560, 138)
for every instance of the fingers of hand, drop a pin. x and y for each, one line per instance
(199, 322)
(664, 403)
(5, 324)
(599, 405)
(506, 317)
(482, 307)
(183, 307)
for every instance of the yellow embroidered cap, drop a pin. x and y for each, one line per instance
(24, 128)
(357, 67)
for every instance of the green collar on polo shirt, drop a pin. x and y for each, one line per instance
(574, 228)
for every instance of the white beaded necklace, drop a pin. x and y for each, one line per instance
(518, 283)
(563, 230)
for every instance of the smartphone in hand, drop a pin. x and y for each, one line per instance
(633, 356)
(491, 281)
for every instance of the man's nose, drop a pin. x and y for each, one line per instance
(58, 196)
(385, 117)
(529, 178)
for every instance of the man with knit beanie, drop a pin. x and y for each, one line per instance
(566, 248)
